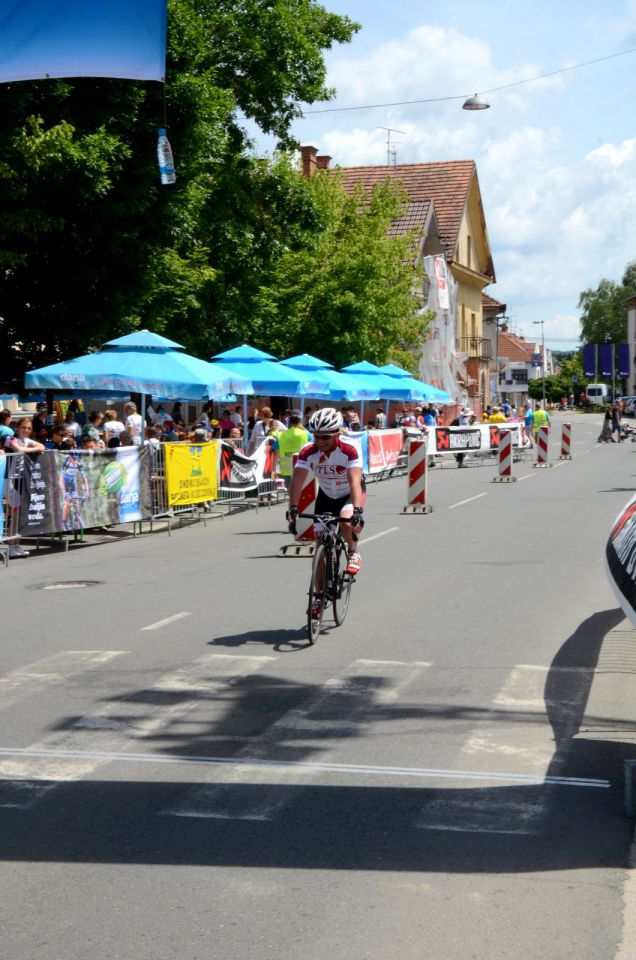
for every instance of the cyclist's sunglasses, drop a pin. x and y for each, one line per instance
(324, 436)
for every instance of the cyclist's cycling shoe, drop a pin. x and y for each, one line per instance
(353, 563)
(316, 606)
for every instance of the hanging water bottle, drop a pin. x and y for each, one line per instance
(164, 156)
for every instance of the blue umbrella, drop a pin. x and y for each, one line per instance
(386, 388)
(269, 377)
(340, 386)
(421, 390)
(142, 362)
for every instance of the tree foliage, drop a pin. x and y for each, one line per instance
(349, 293)
(604, 316)
(91, 245)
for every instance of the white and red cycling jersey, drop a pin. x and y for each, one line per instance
(330, 469)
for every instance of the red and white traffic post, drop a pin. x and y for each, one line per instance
(566, 442)
(304, 545)
(543, 436)
(505, 458)
(417, 478)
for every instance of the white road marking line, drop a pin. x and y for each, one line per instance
(527, 477)
(348, 698)
(376, 535)
(460, 503)
(164, 623)
(317, 767)
(122, 722)
(516, 733)
(48, 672)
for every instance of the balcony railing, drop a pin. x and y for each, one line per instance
(476, 348)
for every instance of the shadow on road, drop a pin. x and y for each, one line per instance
(302, 818)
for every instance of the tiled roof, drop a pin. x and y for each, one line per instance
(513, 348)
(415, 218)
(445, 183)
(488, 301)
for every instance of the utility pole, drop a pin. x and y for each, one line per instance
(543, 364)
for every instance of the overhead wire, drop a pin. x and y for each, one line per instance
(463, 96)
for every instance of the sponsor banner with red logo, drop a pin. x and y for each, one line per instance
(240, 472)
(478, 438)
(385, 447)
(620, 559)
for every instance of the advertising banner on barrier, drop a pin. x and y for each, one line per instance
(191, 472)
(3, 470)
(478, 438)
(240, 472)
(385, 447)
(620, 559)
(75, 489)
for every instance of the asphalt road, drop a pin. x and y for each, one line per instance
(183, 777)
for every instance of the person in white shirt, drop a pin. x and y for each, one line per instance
(112, 427)
(133, 422)
(71, 425)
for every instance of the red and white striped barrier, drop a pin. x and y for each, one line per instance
(304, 545)
(543, 435)
(417, 478)
(505, 458)
(307, 504)
(566, 442)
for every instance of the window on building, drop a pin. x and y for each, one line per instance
(519, 376)
(469, 253)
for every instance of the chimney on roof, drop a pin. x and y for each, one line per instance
(504, 328)
(309, 161)
(323, 162)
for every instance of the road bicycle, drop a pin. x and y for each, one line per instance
(330, 582)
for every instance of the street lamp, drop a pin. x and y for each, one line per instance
(475, 103)
(543, 367)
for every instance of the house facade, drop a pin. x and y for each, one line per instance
(519, 361)
(445, 206)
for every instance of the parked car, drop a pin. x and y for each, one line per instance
(629, 405)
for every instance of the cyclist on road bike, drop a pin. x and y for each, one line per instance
(337, 466)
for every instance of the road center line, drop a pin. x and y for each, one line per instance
(164, 623)
(462, 502)
(375, 536)
(353, 768)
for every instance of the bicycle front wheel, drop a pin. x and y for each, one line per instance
(342, 587)
(317, 594)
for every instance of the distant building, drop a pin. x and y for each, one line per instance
(519, 361)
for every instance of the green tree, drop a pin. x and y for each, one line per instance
(556, 387)
(92, 245)
(604, 313)
(349, 293)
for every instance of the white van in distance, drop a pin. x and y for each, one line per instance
(597, 393)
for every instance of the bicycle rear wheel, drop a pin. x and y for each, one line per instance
(342, 587)
(317, 593)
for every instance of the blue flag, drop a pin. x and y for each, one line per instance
(622, 360)
(589, 361)
(605, 355)
(83, 38)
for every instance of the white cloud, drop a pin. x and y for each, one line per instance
(430, 62)
(560, 215)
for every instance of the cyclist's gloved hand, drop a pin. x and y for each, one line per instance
(357, 520)
(292, 513)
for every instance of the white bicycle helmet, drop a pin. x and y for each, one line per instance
(327, 420)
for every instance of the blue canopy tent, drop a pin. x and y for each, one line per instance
(141, 362)
(268, 376)
(428, 393)
(341, 386)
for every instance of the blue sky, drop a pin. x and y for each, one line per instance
(556, 158)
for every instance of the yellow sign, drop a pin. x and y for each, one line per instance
(191, 472)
